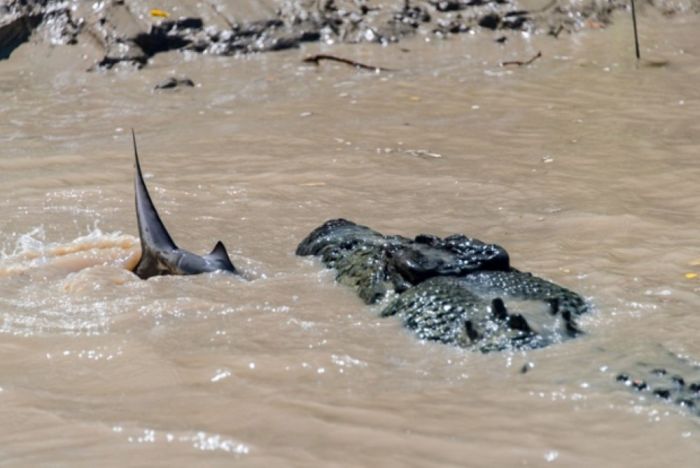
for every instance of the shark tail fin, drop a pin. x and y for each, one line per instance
(220, 255)
(152, 231)
(154, 237)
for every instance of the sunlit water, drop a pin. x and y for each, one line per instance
(583, 165)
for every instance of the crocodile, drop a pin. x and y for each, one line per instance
(453, 290)
(461, 291)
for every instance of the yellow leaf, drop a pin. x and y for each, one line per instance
(691, 275)
(156, 13)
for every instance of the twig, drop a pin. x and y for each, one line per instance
(634, 23)
(216, 10)
(546, 7)
(315, 59)
(520, 63)
(556, 32)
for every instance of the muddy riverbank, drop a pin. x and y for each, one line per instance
(131, 32)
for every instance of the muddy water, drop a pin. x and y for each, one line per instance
(584, 165)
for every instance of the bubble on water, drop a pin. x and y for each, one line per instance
(210, 442)
(221, 374)
(347, 361)
(199, 440)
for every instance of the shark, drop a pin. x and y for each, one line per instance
(159, 253)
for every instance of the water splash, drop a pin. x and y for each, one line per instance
(32, 251)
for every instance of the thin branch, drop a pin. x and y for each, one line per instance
(546, 7)
(520, 63)
(634, 23)
(315, 59)
(221, 15)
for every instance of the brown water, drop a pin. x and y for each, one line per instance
(583, 165)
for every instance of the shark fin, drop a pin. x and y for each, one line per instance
(220, 255)
(152, 231)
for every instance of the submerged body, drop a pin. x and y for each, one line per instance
(182, 262)
(159, 253)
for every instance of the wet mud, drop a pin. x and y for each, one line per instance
(130, 32)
